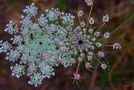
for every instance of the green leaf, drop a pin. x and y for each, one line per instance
(129, 18)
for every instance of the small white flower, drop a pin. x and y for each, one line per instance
(93, 39)
(98, 45)
(80, 59)
(92, 47)
(84, 30)
(97, 34)
(105, 18)
(103, 66)
(90, 53)
(101, 54)
(107, 35)
(91, 21)
(89, 57)
(90, 30)
(82, 24)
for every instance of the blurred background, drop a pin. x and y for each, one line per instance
(120, 75)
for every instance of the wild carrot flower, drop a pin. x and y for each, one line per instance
(39, 44)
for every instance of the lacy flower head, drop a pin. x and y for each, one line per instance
(32, 46)
(40, 44)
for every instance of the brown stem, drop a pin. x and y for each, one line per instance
(101, 26)
(94, 76)
(98, 60)
(78, 67)
(90, 12)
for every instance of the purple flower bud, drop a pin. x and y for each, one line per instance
(88, 1)
(80, 13)
(72, 60)
(117, 46)
(77, 76)
(103, 66)
(88, 65)
(89, 57)
(42, 55)
(56, 58)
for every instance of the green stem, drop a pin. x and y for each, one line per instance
(78, 67)
(130, 17)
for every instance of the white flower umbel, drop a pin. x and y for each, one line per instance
(41, 43)
(4, 46)
(31, 10)
(11, 28)
(32, 44)
(36, 79)
(17, 70)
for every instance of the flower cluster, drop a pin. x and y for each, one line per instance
(40, 44)
(32, 46)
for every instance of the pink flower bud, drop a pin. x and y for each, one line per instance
(57, 13)
(90, 57)
(77, 76)
(46, 30)
(116, 46)
(88, 1)
(72, 60)
(80, 13)
(47, 10)
(88, 65)
(103, 66)
(42, 55)
(56, 58)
